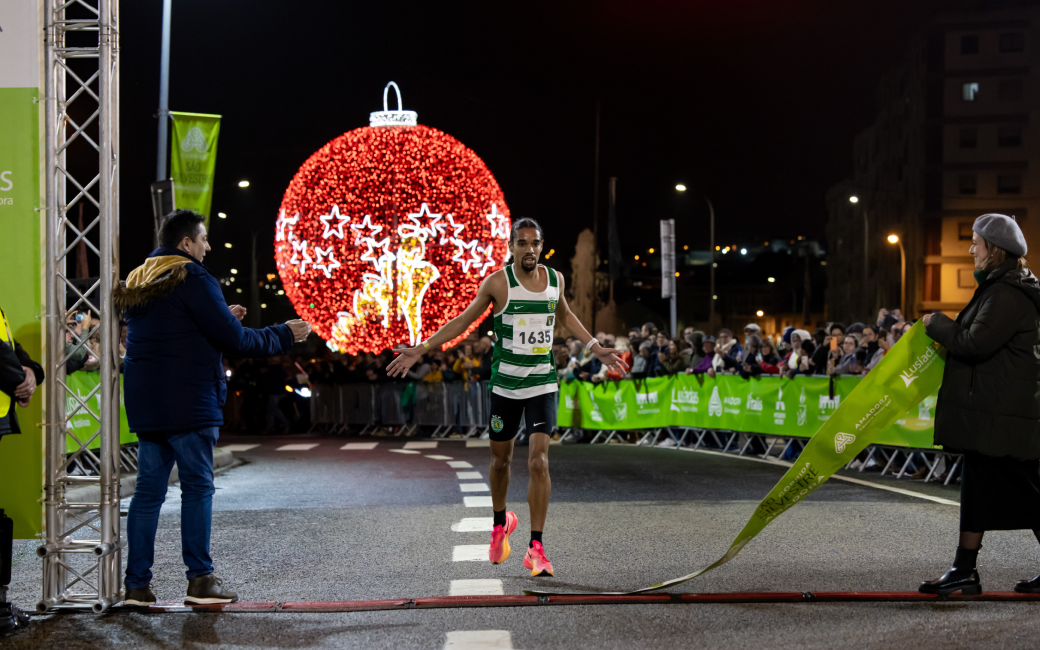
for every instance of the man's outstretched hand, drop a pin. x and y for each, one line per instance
(300, 329)
(400, 365)
(608, 358)
(238, 311)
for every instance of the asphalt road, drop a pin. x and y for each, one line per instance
(332, 524)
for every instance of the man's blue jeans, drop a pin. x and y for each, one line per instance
(193, 452)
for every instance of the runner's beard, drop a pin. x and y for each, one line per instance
(529, 263)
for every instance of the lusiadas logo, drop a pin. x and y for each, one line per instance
(910, 374)
(841, 440)
(715, 403)
(194, 139)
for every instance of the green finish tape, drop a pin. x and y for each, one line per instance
(910, 372)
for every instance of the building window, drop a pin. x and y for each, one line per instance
(1010, 89)
(966, 279)
(1009, 136)
(1013, 42)
(969, 90)
(1009, 184)
(964, 230)
(970, 44)
(969, 138)
(966, 184)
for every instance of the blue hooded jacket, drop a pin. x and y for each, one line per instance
(178, 329)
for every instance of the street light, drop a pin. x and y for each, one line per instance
(853, 199)
(711, 251)
(222, 215)
(894, 239)
(243, 183)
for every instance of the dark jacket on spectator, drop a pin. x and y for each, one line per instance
(11, 377)
(988, 399)
(179, 326)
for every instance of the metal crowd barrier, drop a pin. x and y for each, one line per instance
(401, 408)
(463, 407)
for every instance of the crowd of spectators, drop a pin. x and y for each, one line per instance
(835, 349)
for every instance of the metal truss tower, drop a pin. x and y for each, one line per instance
(82, 549)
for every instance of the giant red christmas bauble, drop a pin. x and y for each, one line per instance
(386, 232)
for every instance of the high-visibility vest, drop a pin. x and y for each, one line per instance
(5, 336)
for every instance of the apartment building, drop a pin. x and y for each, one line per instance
(956, 136)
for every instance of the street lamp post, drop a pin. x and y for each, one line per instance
(711, 259)
(894, 239)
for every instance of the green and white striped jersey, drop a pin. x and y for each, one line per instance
(522, 365)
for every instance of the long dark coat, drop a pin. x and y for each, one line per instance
(989, 401)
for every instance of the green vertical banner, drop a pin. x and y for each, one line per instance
(907, 376)
(21, 264)
(193, 160)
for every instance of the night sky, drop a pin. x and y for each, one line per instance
(755, 103)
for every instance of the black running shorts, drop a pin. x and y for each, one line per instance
(538, 413)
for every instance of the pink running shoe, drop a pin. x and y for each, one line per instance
(536, 561)
(500, 540)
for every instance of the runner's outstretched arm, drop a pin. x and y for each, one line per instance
(456, 326)
(574, 326)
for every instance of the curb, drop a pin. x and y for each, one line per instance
(222, 459)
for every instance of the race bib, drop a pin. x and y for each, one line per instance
(533, 335)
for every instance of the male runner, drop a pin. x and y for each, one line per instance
(527, 299)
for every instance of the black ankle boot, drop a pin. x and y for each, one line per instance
(962, 577)
(1028, 586)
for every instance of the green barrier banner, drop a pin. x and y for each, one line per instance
(83, 426)
(765, 405)
(193, 160)
(910, 372)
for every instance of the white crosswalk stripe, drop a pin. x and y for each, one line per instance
(476, 588)
(470, 553)
(474, 525)
(421, 444)
(474, 487)
(478, 443)
(477, 502)
(468, 475)
(239, 447)
(405, 451)
(440, 457)
(479, 640)
(359, 446)
(458, 464)
(302, 446)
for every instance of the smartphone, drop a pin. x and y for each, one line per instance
(834, 343)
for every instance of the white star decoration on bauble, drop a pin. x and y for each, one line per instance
(499, 223)
(331, 229)
(281, 222)
(300, 247)
(365, 224)
(325, 260)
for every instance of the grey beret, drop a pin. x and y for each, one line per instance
(1002, 231)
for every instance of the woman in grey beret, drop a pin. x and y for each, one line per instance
(987, 407)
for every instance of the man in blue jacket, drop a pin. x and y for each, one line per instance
(174, 390)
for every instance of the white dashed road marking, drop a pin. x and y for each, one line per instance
(458, 464)
(476, 588)
(474, 487)
(468, 475)
(479, 640)
(360, 445)
(477, 502)
(470, 553)
(478, 443)
(404, 451)
(239, 447)
(302, 446)
(421, 444)
(440, 457)
(474, 525)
